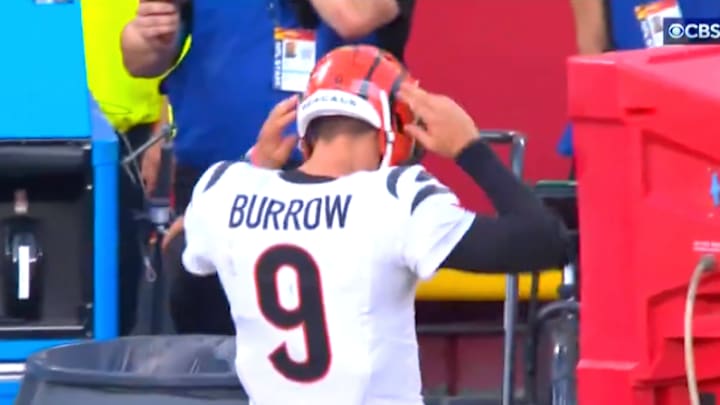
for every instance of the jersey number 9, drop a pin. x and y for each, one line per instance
(309, 314)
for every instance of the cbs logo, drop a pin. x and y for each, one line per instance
(694, 31)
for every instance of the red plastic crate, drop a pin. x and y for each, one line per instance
(647, 138)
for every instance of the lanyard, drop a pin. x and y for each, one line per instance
(274, 10)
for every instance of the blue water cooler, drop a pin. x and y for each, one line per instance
(58, 190)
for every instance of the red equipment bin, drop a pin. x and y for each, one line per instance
(647, 141)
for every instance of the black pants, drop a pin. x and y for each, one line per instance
(197, 304)
(131, 200)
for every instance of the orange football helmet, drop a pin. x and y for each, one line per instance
(362, 81)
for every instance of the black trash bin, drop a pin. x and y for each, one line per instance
(139, 370)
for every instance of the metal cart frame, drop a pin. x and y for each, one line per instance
(517, 143)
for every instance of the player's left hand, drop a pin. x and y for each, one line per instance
(272, 149)
(446, 128)
(172, 232)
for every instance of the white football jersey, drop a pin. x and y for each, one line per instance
(321, 276)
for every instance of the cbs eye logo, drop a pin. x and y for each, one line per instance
(676, 31)
(694, 31)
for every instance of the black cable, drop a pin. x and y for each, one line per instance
(531, 343)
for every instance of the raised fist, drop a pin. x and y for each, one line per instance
(158, 21)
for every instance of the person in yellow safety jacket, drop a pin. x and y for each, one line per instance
(126, 101)
(133, 107)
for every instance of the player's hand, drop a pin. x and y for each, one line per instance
(444, 128)
(173, 231)
(158, 21)
(272, 149)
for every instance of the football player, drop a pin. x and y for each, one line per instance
(320, 263)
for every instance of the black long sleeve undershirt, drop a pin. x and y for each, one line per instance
(524, 236)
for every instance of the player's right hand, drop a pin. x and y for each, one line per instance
(444, 128)
(158, 21)
(172, 232)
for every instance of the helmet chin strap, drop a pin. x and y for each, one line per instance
(387, 128)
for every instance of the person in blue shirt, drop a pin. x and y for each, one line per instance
(337, 23)
(605, 25)
(245, 57)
